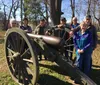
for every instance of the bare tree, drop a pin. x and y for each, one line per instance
(96, 10)
(15, 8)
(6, 22)
(5, 16)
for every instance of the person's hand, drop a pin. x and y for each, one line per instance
(59, 26)
(71, 33)
(81, 51)
(26, 31)
(47, 33)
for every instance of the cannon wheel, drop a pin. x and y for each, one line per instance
(21, 57)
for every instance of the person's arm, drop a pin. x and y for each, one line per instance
(95, 38)
(21, 27)
(76, 29)
(73, 31)
(89, 42)
(75, 43)
(29, 29)
(48, 30)
(36, 30)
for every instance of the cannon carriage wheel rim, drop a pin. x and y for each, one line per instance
(21, 57)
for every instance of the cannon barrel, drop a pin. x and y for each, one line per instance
(47, 39)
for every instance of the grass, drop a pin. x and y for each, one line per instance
(50, 73)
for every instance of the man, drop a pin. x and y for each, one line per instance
(92, 29)
(74, 23)
(25, 26)
(41, 28)
(62, 27)
(63, 32)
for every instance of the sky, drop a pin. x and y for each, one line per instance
(67, 11)
(65, 8)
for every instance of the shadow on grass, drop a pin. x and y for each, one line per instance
(99, 41)
(1, 41)
(96, 66)
(45, 79)
(95, 75)
(55, 68)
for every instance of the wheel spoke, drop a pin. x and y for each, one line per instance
(28, 60)
(10, 45)
(22, 45)
(16, 70)
(70, 45)
(18, 42)
(11, 65)
(19, 73)
(13, 38)
(69, 51)
(10, 57)
(25, 52)
(23, 75)
(29, 70)
(10, 50)
(26, 78)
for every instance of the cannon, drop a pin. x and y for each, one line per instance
(22, 50)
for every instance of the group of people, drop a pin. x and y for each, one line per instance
(85, 41)
(24, 27)
(84, 38)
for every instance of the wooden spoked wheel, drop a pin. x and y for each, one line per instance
(21, 57)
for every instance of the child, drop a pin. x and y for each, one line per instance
(83, 46)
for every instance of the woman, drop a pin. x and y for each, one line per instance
(83, 46)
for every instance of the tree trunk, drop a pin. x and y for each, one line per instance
(55, 11)
(46, 9)
(4, 21)
(73, 7)
(21, 14)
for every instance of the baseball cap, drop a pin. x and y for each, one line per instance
(88, 16)
(63, 19)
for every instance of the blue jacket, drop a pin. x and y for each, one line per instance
(83, 41)
(74, 26)
(93, 32)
